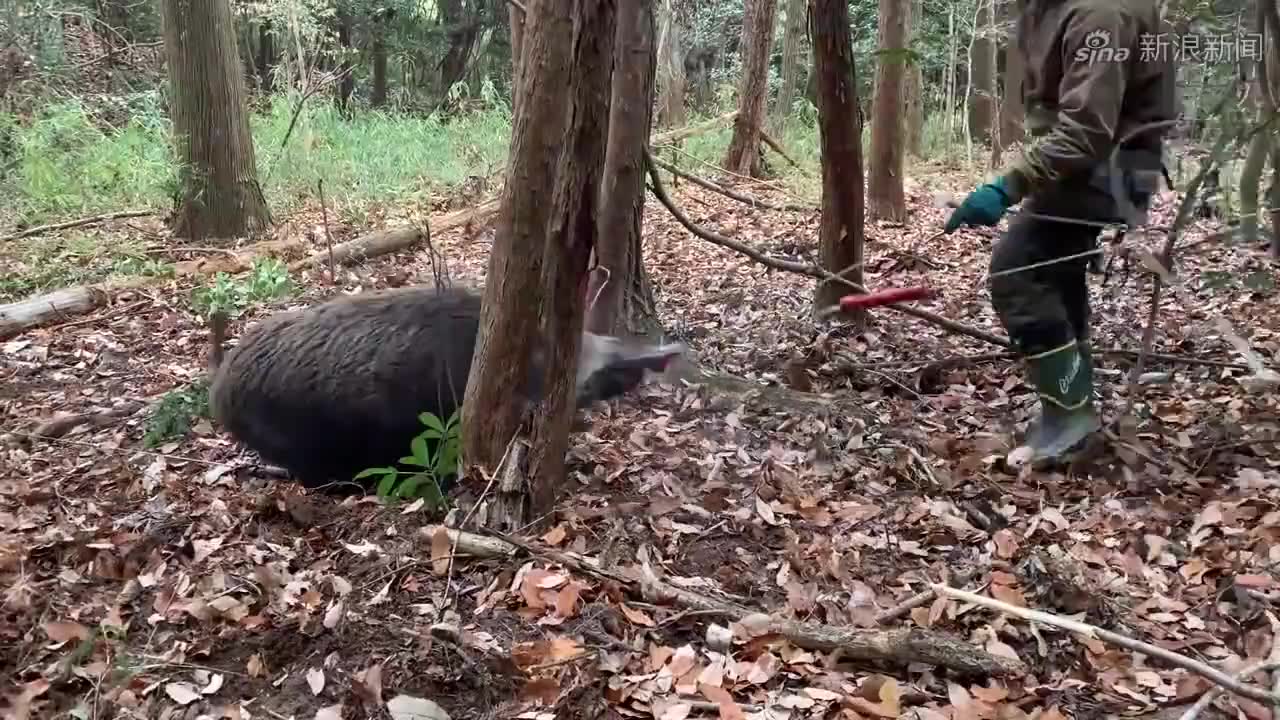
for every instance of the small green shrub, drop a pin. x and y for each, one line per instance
(268, 280)
(434, 452)
(176, 412)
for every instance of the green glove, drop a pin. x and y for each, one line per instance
(984, 206)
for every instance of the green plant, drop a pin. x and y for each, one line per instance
(173, 417)
(434, 465)
(268, 280)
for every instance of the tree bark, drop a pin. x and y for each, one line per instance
(884, 186)
(571, 238)
(512, 292)
(1012, 112)
(671, 78)
(347, 85)
(220, 195)
(517, 20)
(462, 26)
(982, 102)
(378, 94)
(792, 49)
(266, 57)
(621, 295)
(743, 155)
(840, 131)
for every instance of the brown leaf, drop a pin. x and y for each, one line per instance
(682, 662)
(1007, 594)
(567, 599)
(22, 703)
(556, 535)
(66, 631)
(920, 616)
(367, 685)
(543, 690)
(1006, 543)
(255, 667)
(441, 549)
(729, 709)
(990, 694)
(1256, 582)
(636, 617)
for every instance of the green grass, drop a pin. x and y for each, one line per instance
(64, 164)
(48, 262)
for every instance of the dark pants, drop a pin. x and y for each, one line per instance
(1048, 307)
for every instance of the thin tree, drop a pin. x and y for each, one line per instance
(840, 131)
(983, 75)
(1012, 112)
(671, 77)
(885, 194)
(792, 49)
(621, 295)
(545, 235)
(219, 192)
(743, 155)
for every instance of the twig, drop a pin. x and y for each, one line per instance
(328, 238)
(76, 223)
(1208, 672)
(802, 268)
(1212, 694)
(778, 148)
(732, 194)
(104, 316)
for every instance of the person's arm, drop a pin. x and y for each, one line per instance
(1089, 101)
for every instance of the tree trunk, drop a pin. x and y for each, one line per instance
(671, 77)
(621, 295)
(884, 186)
(1012, 112)
(743, 156)
(347, 85)
(840, 131)
(462, 26)
(220, 195)
(792, 49)
(516, 17)
(982, 102)
(378, 95)
(571, 238)
(512, 292)
(913, 109)
(266, 57)
(950, 77)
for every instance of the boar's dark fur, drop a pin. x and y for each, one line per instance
(329, 391)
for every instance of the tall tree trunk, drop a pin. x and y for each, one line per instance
(513, 287)
(840, 131)
(792, 50)
(266, 57)
(622, 295)
(516, 17)
(378, 95)
(913, 109)
(220, 195)
(462, 25)
(950, 76)
(884, 186)
(982, 102)
(347, 85)
(1012, 112)
(671, 77)
(743, 156)
(571, 238)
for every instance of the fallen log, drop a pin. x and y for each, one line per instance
(59, 304)
(375, 244)
(81, 222)
(899, 646)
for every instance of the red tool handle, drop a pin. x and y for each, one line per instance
(884, 297)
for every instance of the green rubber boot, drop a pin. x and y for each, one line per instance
(1063, 377)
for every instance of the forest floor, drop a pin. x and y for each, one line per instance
(179, 583)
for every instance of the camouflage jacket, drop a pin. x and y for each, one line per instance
(1096, 70)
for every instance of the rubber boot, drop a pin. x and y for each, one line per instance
(1063, 377)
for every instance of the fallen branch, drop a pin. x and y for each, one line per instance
(801, 268)
(1212, 694)
(898, 646)
(1208, 672)
(778, 148)
(32, 312)
(377, 243)
(76, 223)
(689, 131)
(731, 194)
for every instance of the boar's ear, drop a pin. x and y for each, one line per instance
(608, 368)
